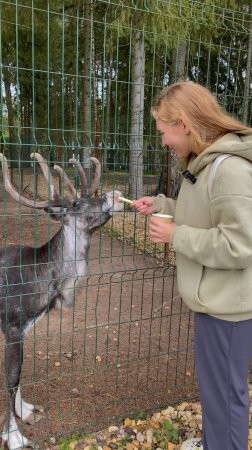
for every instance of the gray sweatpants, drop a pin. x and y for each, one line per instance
(223, 350)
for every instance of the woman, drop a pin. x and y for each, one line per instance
(212, 237)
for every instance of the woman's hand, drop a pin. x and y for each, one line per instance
(144, 205)
(160, 231)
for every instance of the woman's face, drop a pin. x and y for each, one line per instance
(176, 137)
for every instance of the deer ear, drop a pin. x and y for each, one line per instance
(56, 212)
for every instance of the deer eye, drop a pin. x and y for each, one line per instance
(76, 204)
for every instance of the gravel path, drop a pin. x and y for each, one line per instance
(166, 429)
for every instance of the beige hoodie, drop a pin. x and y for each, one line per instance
(213, 237)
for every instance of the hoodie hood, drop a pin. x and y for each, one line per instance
(237, 143)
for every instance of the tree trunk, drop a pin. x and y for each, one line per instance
(13, 147)
(178, 62)
(248, 74)
(96, 122)
(107, 138)
(137, 115)
(155, 155)
(87, 85)
(26, 123)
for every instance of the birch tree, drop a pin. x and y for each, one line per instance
(248, 79)
(172, 23)
(87, 84)
(142, 24)
(137, 116)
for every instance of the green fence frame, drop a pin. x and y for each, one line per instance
(79, 78)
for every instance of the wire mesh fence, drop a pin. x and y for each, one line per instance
(78, 80)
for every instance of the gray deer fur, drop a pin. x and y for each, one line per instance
(47, 277)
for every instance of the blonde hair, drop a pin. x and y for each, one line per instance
(198, 109)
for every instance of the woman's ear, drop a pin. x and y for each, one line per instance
(186, 128)
(185, 121)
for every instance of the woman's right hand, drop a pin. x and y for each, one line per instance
(144, 205)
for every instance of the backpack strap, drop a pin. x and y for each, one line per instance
(213, 169)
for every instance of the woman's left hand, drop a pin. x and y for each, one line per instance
(160, 231)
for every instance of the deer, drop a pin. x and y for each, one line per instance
(47, 276)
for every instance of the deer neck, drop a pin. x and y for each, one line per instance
(67, 244)
(76, 241)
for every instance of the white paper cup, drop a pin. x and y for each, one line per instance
(165, 217)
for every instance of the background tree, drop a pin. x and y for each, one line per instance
(248, 79)
(81, 76)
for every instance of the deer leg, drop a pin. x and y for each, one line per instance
(11, 435)
(26, 411)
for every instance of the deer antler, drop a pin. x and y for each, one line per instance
(84, 184)
(54, 196)
(13, 192)
(47, 174)
(66, 180)
(82, 175)
(97, 175)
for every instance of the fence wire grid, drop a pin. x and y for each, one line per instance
(77, 80)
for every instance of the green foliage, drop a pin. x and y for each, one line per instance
(65, 444)
(166, 434)
(139, 415)
(43, 67)
(170, 22)
(123, 442)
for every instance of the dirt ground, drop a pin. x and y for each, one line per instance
(125, 347)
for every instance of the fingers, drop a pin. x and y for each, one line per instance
(143, 205)
(161, 232)
(154, 229)
(141, 208)
(137, 203)
(148, 201)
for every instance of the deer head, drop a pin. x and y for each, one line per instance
(89, 212)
